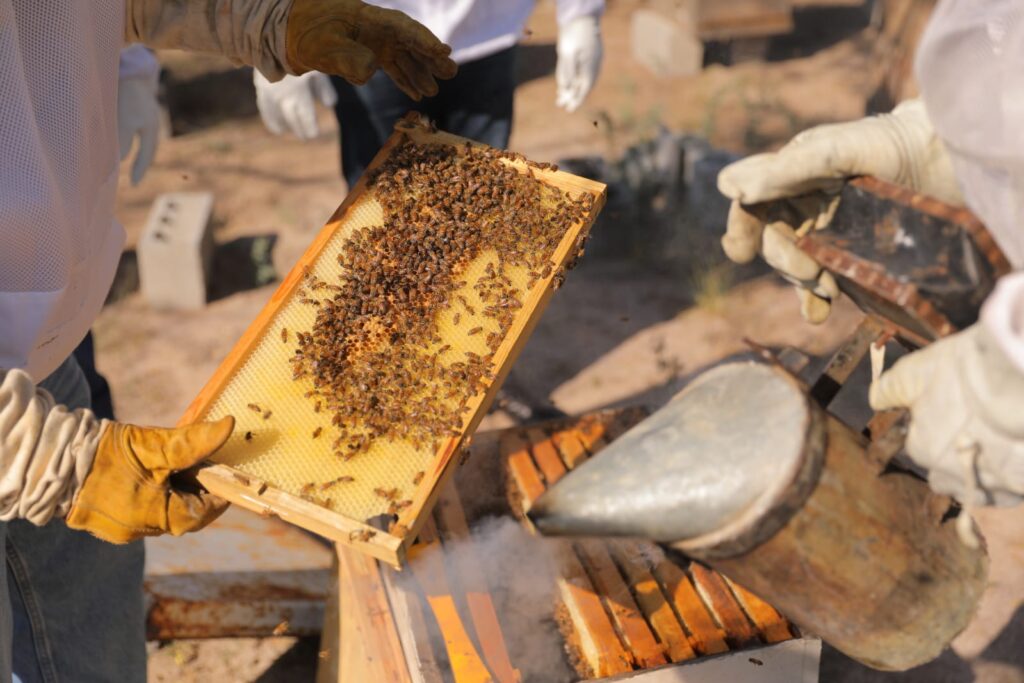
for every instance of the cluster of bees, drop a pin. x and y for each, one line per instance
(375, 355)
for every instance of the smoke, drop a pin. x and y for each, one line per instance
(520, 570)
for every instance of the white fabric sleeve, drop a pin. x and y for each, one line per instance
(46, 451)
(1002, 316)
(137, 61)
(570, 9)
(245, 31)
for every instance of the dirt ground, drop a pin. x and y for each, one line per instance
(621, 330)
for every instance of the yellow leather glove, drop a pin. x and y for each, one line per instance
(352, 39)
(130, 491)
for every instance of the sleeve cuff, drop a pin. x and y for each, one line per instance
(1003, 317)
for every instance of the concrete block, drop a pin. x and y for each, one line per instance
(666, 43)
(176, 251)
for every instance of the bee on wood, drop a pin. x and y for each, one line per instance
(255, 408)
(363, 535)
(281, 628)
(307, 489)
(248, 436)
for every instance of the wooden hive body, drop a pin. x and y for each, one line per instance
(621, 607)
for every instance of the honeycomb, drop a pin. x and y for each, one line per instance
(276, 422)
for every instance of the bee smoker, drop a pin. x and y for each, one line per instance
(746, 471)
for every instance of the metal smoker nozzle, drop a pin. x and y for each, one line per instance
(686, 470)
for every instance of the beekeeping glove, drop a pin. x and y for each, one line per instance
(579, 60)
(966, 398)
(347, 38)
(901, 147)
(110, 479)
(138, 112)
(353, 39)
(290, 104)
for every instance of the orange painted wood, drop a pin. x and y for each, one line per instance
(426, 559)
(545, 455)
(652, 602)
(591, 431)
(569, 446)
(625, 613)
(715, 592)
(773, 626)
(522, 471)
(472, 581)
(706, 637)
(597, 640)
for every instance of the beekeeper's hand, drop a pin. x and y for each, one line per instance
(116, 481)
(290, 104)
(966, 398)
(579, 60)
(138, 112)
(352, 39)
(808, 172)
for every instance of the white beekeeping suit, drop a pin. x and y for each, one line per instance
(962, 142)
(967, 392)
(59, 243)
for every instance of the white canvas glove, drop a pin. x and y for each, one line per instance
(900, 147)
(290, 104)
(579, 60)
(966, 398)
(138, 114)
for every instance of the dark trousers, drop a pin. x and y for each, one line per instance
(102, 403)
(476, 104)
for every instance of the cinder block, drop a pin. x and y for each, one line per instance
(176, 251)
(666, 42)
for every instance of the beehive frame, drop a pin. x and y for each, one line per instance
(261, 496)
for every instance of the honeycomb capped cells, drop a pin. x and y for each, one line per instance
(373, 354)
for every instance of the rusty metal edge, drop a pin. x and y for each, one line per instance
(963, 217)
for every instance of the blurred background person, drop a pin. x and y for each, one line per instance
(477, 103)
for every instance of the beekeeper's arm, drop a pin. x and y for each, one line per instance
(966, 392)
(110, 479)
(901, 147)
(344, 37)
(966, 397)
(579, 50)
